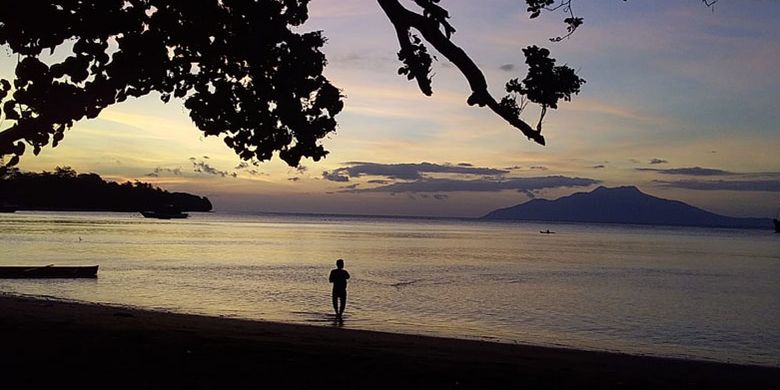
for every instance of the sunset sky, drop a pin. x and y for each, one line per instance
(681, 100)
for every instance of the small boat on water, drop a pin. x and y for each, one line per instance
(164, 214)
(50, 271)
(546, 231)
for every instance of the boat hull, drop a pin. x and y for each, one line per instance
(48, 272)
(162, 215)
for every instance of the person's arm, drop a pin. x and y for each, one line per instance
(346, 274)
(330, 278)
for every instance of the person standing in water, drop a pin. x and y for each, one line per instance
(339, 278)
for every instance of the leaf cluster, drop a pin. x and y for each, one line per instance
(545, 83)
(416, 63)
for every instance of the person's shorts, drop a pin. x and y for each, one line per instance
(340, 294)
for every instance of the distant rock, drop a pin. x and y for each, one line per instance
(627, 205)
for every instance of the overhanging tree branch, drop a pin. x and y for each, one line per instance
(403, 20)
(241, 68)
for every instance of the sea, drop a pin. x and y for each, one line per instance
(695, 293)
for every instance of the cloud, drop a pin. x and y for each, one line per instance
(658, 161)
(432, 196)
(539, 168)
(433, 181)
(521, 184)
(301, 169)
(693, 171)
(244, 166)
(724, 185)
(405, 171)
(415, 196)
(174, 171)
(336, 176)
(507, 67)
(293, 178)
(416, 179)
(530, 194)
(204, 167)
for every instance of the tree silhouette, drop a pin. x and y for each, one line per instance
(544, 84)
(66, 189)
(240, 69)
(238, 65)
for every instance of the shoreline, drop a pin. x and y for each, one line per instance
(400, 332)
(84, 343)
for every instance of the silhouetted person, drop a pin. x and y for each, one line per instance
(339, 278)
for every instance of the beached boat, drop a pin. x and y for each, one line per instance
(47, 272)
(164, 214)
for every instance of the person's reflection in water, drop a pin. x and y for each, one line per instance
(339, 278)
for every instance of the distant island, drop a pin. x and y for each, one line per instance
(627, 205)
(66, 190)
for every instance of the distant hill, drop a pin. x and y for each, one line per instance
(66, 190)
(622, 205)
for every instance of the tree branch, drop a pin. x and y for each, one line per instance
(8, 139)
(403, 19)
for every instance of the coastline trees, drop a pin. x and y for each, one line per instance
(66, 189)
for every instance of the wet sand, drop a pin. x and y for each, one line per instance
(55, 343)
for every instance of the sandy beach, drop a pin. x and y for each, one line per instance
(49, 342)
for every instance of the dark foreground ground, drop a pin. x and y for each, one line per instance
(68, 345)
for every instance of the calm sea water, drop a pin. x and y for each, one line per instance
(703, 293)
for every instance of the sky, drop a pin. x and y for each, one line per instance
(680, 101)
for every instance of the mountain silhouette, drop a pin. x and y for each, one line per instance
(626, 205)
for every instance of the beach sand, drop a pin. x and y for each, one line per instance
(54, 343)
